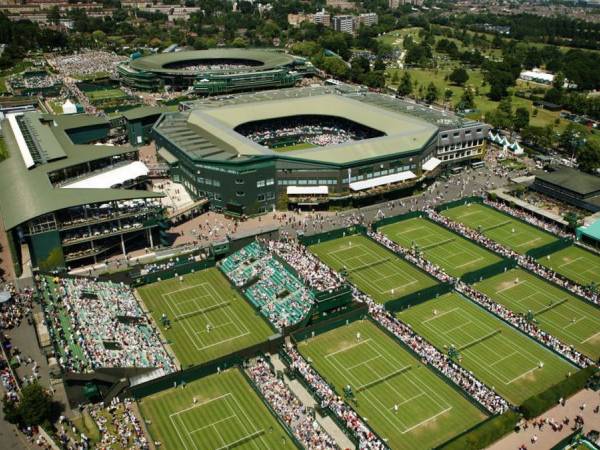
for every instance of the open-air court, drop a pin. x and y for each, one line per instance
(500, 227)
(208, 318)
(575, 263)
(405, 402)
(374, 269)
(216, 412)
(556, 311)
(502, 357)
(451, 252)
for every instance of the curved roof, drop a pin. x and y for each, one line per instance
(156, 63)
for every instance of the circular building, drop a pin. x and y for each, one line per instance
(216, 71)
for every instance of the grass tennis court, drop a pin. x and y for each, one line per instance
(451, 252)
(496, 353)
(104, 94)
(383, 375)
(500, 227)
(559, 313)
(208, 317)
(227, 413)
(575, 263)
(375, 270)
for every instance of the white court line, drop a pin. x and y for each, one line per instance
(591, 337)
(522, 375)
(441, 315)
(212, 424)
(200, 404)
(519, 283)
(185, 288)
(426, 420)
(363, 363)
(348, 347)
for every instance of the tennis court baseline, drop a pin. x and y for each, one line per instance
(451, 252)
(375, 270)
(502, 357)
(575, 263)
(217, 412)
(499, 227)
(406, 403)
(556, 311)
(208, 317)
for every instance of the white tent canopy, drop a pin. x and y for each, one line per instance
(307, 190)
(106, 180)
(380, 181)
(431, 163)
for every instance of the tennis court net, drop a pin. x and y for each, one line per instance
(202, 311)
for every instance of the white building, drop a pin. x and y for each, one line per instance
(345, 24)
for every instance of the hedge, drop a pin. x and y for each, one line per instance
(540, 403)
(484, 434)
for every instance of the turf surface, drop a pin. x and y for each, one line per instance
(103, 94)
(203, 298)
(575, 263)
(510, 232)
(451, 252)
(496, 353)
(382, 375)
(373, 269)
(227, 414)
(561, 314)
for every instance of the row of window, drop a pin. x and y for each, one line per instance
(267, 182)
(457, 133)
(313, 182)
(466, 144)
(209, 181)
(461, 155)
(381, 173)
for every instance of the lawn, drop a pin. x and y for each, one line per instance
(453, 253)
(496, 353)
(298, 146)
(104, 94)
(373, 269)
(500, 227)
(220, 411)
(559, 313)
(3, 150)
(383, 376)
(575, 263)
(209, 319)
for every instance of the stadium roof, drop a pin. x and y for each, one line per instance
(591, 231)
(209, 132)
(571, 179)
(267, 59)
(28, 193)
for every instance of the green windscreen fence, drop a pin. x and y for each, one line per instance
(489, 271)
(552, 247)
(390, 220)
(181, 269)
(455, 203)
(331, 235)
(357, 313)
(419, 297)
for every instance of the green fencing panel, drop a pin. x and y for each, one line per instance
(489, 271)
(181, 269)
(331, 235)
(547, 249)
(390, 220)
(462, 201)
(360, 311)
(419, 297)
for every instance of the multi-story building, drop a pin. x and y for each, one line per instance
(367, 19)
(344, 24)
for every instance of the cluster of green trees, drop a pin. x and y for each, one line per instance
(34, 407)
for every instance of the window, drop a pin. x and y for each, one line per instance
(260, 183)
(260, 197)
(270, 182)
(240, 194)
(216, 183)
(239, 181)
(270, 195)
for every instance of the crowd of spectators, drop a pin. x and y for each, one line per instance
(202, 68)
(299, 419)
(524, 261)
(521, 322)
(315, 274)
(117, 424)
(86, 63)
(314, 130)
(104, 321)
(330, 400)
(13, 311)
(171, 263)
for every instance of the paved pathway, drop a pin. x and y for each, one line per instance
(547, 438)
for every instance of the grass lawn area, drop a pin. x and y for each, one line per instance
(3, 150)
(298, 146)
(373, 269)
(500, 227)
(204, 298)
(453, 253)
(227, 413)
(383, 374)
(561, 314)
(575, 263)
(496, 353)
(103, 94)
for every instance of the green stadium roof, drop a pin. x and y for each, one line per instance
(403, 133)
(572, 180)
(28, 193)
(156, 63)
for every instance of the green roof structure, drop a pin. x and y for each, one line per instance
(27, 193)
(573, 180)
(591, 231)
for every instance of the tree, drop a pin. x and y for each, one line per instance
(395, 78)
(53, 15)
(448, 95)
(379, 65)
(33, 408)
(521, 119)
(459, 76)
(432, 93)
(502, 116)
(588, 157)
(406, 86)
(573, 220)
(467, 101)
